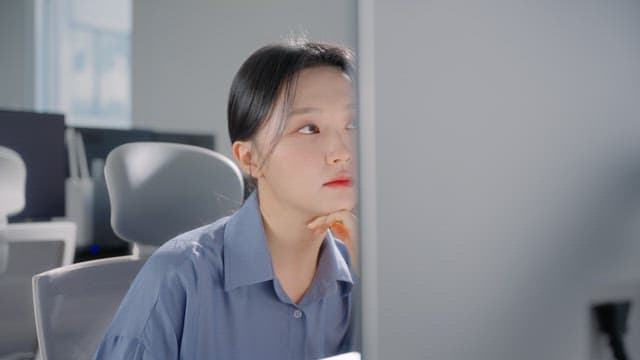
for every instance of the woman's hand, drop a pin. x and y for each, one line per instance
(344, 226)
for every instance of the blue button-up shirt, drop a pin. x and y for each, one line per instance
(211, 294)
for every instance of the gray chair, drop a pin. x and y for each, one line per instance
(168, 189)
(74, 304)
(25, 250)
(13, 181)
(156, 191)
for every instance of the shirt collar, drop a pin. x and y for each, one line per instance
(332, 263)
(247, 259)
(332, 274)
(246, 255)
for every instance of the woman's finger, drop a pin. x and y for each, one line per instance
(346, 218)
(341, 231)
(317, 222)
(343, 225)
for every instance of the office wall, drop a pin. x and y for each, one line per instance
(185, 53)
(17, 55)
(506, 173)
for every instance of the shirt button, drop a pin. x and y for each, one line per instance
(297, 314)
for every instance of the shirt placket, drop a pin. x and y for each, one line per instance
(297, 334)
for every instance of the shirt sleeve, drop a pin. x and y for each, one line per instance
(149, 322)
(120, 347)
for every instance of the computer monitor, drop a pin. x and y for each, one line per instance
(98, 142)
(39, 139)
(202, 140)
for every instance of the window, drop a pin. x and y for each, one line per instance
(84, 61)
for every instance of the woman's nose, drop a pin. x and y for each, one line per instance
(340, 147)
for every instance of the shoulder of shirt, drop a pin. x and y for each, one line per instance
(203, 244)
(172, 273)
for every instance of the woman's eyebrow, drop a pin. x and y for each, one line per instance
(304, 111)
(311, 109)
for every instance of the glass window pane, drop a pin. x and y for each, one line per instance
(85, 65)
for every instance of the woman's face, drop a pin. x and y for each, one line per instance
(316, 146)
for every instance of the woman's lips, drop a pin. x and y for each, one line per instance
(339, 183)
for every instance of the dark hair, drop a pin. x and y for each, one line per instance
(269, 71)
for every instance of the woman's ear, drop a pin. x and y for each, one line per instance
(244, 156)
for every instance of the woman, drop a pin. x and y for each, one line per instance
(270, 281)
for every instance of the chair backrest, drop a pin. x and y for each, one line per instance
(25, 250)
(32, 248)
(13, 180)
(160, 190)
(74, 304)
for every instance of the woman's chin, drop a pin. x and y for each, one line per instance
(337, 205)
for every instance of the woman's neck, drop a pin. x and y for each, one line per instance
(286, 228)
(294, 248)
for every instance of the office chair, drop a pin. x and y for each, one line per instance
(74, 304)
(13, 180)
(160, 190)
(156, 191)
(26, 249)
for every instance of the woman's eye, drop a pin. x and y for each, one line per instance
(309, 129)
